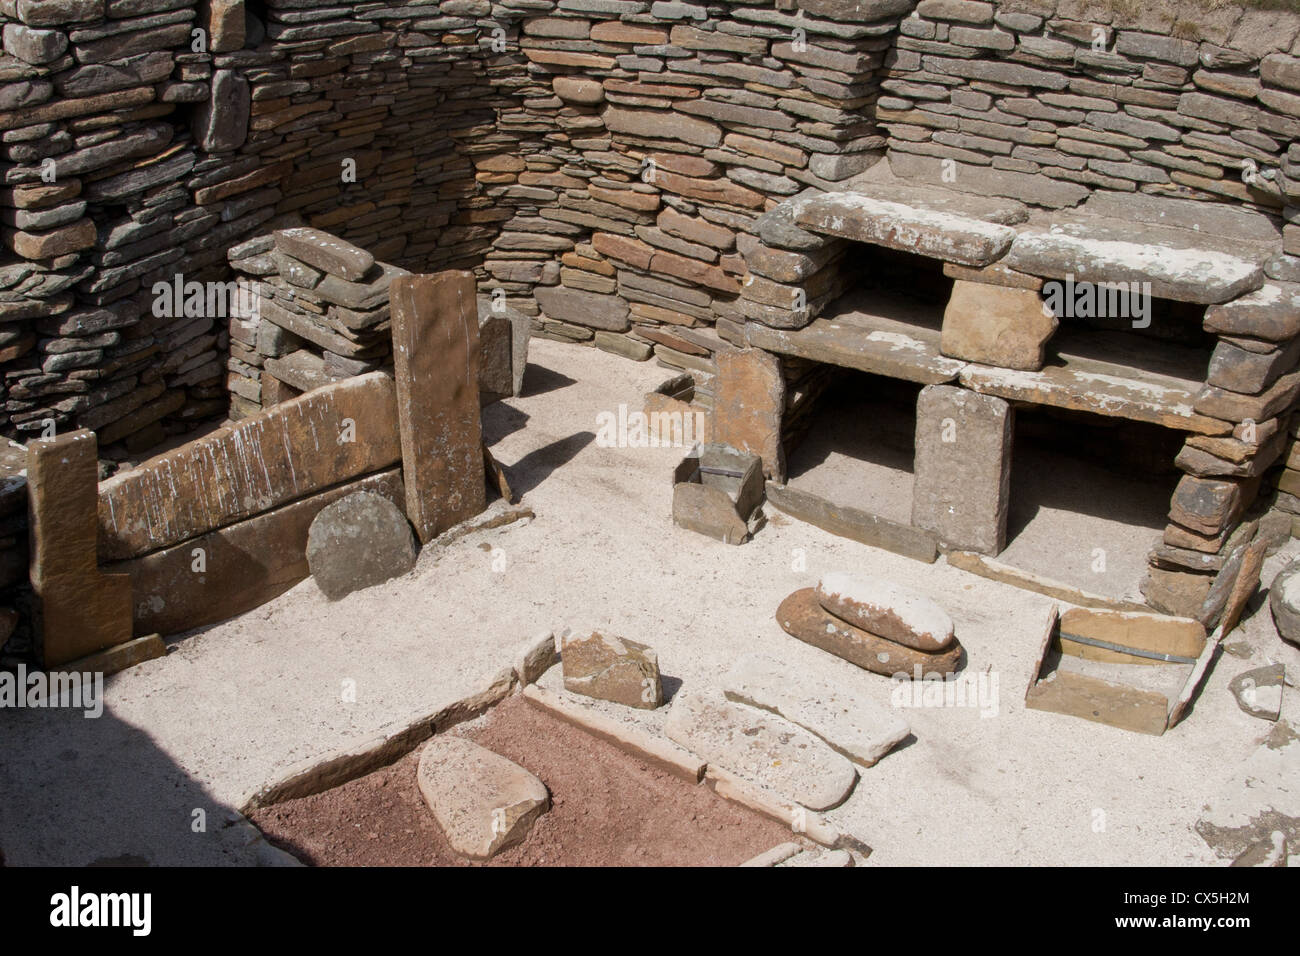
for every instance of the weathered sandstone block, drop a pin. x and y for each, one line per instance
(961, 490)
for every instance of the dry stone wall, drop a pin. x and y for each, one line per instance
(1043, 100)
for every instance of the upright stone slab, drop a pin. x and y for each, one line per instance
(76, 610)
(748, 402)
(963, 467)
(435, 359)
(299, 447)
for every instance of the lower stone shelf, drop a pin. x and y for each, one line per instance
(1088, 372)
(898, 336)
(886, 334)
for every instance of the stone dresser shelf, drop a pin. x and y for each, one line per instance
(1093, 372)
(882, 333)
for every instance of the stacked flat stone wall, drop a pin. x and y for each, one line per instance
(1043, 100)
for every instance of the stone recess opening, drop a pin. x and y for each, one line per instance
(1089, 497)
(854, 445)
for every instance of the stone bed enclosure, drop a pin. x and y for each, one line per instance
(677, 181)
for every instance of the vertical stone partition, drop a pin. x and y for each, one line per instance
(963, 467)
(76, 610)
(435, 359)
(749, 400)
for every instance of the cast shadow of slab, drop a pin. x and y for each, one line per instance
(536, 466)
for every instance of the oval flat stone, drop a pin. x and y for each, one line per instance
(802, 616)
(762, 748)
(481, 801)
(887, 610)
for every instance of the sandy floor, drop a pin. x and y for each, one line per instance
(233, 707)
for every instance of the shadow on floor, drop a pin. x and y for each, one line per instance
(536, 466)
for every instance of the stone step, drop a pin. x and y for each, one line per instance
(956, 227)
(761, 748)
(1180, 264)
(838, 713)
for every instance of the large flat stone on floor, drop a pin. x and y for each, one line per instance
(481, 801)
(435, 361)
(761, 748)
(76, 609)
(357, 542)
(857, 727)
(962, 486)
(295, 449)
(968, 230)
(1179, 264)
(801, 615)
(1260, 797)
(611, 668)
(887, 610)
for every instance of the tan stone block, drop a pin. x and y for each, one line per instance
(996, 325)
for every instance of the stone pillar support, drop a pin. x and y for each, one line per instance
(962, 480)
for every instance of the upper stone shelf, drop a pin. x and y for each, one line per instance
(940, 223)
(1179, 262)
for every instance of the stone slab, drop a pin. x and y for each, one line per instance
(761, 748)
(482, 802)
(748, 402)
(839, 714)
(887, 610)
(1179, 264)
(962, 485)
(802, 616)
(948, 226)
(854, 524)
(295, 449)
(881, 334)
(76, 609)
(325, 252)
(435, 360)
(243, 565)
(1088, 384)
